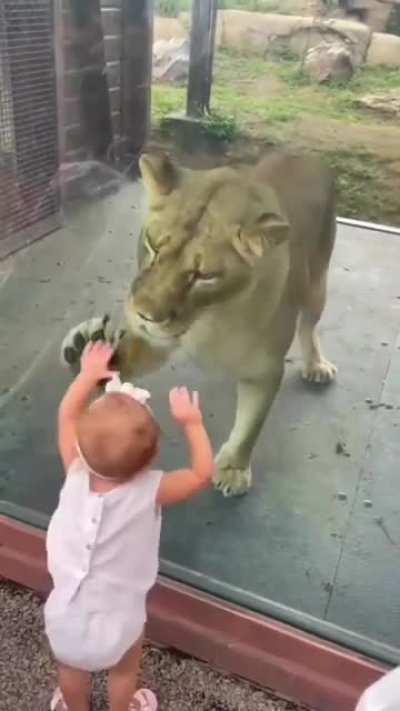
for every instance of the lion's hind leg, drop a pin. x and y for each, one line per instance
(316, 369)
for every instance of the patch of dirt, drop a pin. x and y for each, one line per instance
(380, 139)
(268, 86)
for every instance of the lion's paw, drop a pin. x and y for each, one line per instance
(321, 372)
(94, 329)
(231, 479)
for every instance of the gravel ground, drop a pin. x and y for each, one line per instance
(182, 684)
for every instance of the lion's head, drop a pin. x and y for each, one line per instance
(206, 235)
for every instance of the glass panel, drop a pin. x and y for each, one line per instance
(230, 256)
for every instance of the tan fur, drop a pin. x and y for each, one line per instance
(229, 259)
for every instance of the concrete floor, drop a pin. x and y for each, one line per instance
(316, 542)
(27, 674)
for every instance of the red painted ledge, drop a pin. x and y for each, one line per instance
(271, 654)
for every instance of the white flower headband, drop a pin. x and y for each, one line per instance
(116, 386)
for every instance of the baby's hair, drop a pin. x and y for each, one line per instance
(118, 437)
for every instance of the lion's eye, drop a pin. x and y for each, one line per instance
(205, 277)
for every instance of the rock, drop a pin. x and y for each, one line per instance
(387, 102)
(354, 36)
(171, 60)
(329, 62)
(384, 50)
(166, 28)
(262, 33)
(185, 20)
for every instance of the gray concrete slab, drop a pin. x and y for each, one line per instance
(366, 588)
(289, 547)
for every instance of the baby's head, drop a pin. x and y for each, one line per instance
(117, 436)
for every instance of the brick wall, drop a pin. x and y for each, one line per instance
(71, 138)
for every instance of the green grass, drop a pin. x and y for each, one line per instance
(360, 180)
(236, 75)
(261, 99)
(172, 8)
(283, 7)
(298, 95)
(167, 99)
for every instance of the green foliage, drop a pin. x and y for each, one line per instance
(171, 8)
(220, 126)
(393, 25)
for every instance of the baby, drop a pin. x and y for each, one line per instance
(103, 539)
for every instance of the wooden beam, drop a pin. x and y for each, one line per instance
(202, 41)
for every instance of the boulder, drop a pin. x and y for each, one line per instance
(262, 33)
(329, 62)
(387, 102)
(384, 50)
(185, 20)
(171, 60)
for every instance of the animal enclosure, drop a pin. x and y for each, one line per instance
(295, 584)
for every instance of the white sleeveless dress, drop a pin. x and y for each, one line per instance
(103, 552)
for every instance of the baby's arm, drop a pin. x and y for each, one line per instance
(94, 368)
(182, 484)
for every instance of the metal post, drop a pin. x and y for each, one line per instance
(202, 41)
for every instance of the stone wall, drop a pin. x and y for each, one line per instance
(260, 32)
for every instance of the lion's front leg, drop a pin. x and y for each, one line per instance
(133, 355)
(233, 476)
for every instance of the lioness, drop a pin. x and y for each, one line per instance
(230, 260)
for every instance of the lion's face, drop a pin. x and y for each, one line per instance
(201, 244)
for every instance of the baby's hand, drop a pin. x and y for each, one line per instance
(95, 361)
(185, 408)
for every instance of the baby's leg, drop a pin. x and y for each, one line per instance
(122, 679)
(75, 687)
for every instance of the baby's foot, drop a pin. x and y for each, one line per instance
(144, 700)
(57, 703)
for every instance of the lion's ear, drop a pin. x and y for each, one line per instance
(269, 230)
(158, 172)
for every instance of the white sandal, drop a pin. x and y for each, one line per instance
(144, 700)
(57, 703)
